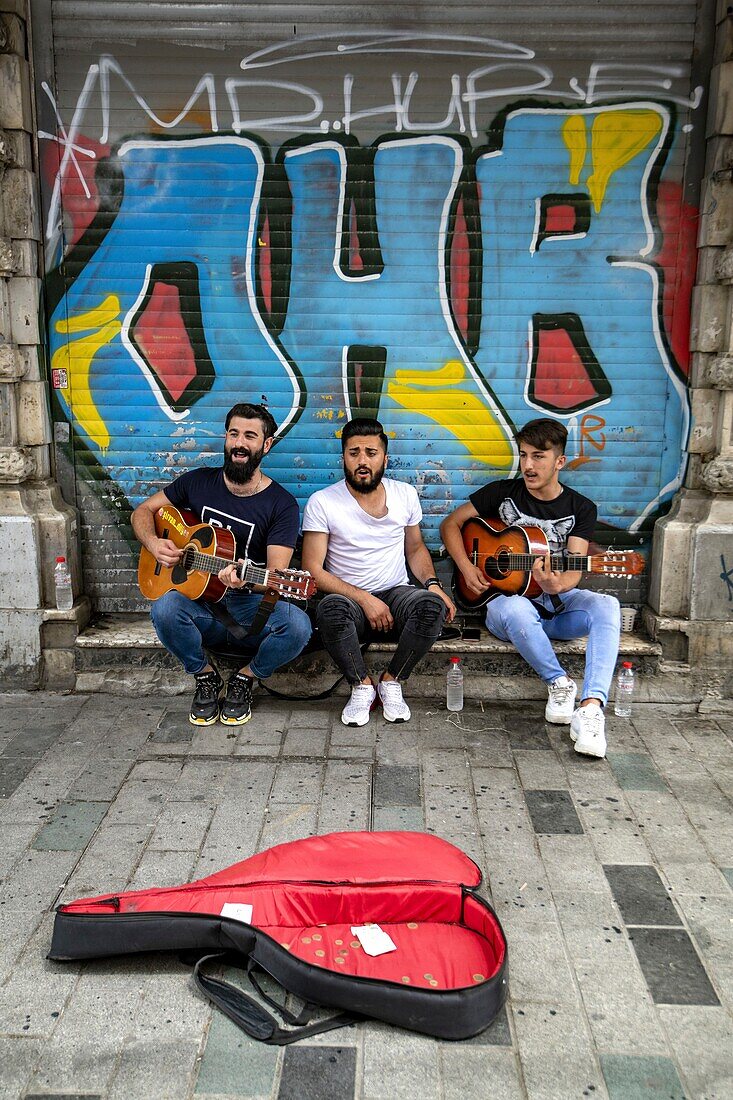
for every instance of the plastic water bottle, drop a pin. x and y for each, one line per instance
(62, 580)
(454, 685)
(624, 691)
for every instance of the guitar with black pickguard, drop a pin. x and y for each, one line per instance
(206, 551)
(505, 556)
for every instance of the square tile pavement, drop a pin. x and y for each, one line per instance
(616, 902)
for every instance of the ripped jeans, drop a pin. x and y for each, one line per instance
(418, 617)
(515, 619)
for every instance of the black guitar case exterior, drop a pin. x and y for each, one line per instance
(290, 911)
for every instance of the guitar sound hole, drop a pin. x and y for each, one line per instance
(186, 562)
(498, 567)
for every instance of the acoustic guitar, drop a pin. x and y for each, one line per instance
(206, 551)
(505, 556)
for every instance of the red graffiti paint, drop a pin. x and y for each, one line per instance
(264, 261)
(79, 195)
(678, 223)
(459, 271)
(356, 263)
(560, 218)
(161, 337)
(561, 379)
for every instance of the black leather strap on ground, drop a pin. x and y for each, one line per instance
(252, 1017)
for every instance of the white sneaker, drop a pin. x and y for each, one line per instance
(587, 730)
(394, 707)
(357, 710)
(561, 701)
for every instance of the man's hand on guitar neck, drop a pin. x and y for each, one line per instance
(553, 582)
(230, 575)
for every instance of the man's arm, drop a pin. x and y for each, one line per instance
(315, 547)
(421, 566)
(450, 532)
(555, 583)
(164, 551)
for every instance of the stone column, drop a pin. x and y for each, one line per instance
(35, 523)
(691, 596)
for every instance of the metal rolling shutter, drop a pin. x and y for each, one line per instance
(455, 217)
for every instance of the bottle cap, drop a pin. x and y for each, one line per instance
(60, 559)
(455, 660)
(628, 664)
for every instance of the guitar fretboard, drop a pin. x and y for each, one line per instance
(206, 563)
(522, 563)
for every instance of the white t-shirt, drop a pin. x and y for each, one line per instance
(362, 550)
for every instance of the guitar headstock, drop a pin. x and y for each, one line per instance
(622, 563)
(294, 584)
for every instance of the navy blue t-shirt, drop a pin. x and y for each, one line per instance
(269, 518)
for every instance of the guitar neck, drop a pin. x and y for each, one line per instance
(206, 563)
(559, 563)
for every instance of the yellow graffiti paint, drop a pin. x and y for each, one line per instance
(76, 357)
(102, 314)
(574, 136)
(617, 137)
(456, 410)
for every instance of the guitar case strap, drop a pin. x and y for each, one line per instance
(253, 1017)
(557, 605)
(267, 606)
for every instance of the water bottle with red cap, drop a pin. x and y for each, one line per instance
(454, 685)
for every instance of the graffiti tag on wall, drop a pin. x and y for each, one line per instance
(453, 292)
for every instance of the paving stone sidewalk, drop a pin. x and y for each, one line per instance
(613, 880)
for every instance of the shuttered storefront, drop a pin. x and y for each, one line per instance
(453, 217)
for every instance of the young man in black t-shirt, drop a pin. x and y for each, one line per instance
(264, 519)
(538, 499)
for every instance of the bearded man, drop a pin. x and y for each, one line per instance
(263, 518)
(359, 538)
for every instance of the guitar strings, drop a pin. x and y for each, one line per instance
(205, 563)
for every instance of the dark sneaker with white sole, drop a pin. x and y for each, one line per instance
(205, 705)
(237, 706)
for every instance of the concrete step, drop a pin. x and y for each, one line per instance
(121, 653)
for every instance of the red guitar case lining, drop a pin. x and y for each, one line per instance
(445, 978)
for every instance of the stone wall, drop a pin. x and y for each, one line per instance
(35, 522)
(691, 596)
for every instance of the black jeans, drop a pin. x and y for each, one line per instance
(418, 618)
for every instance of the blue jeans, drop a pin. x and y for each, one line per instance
(184, 626)
(515, 619)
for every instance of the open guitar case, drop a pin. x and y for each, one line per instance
(445, 976)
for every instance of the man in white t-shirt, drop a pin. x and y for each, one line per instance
(359, 537)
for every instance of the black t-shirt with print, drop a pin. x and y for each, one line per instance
(569, 514)
(269, 518)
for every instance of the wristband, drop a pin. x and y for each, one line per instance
(432, 580)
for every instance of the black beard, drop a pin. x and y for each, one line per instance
(241, 472)
(364, 486)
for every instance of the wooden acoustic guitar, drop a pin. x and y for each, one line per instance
(505, 556)
(206, 551)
